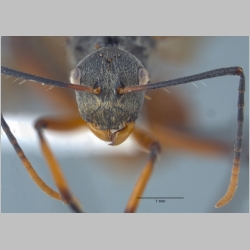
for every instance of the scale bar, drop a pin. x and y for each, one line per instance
(160, 197)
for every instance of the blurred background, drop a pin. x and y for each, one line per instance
(102, 177)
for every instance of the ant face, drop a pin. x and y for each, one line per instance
(110, 115)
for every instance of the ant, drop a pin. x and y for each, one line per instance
(114, 138)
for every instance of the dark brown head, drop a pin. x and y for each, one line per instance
(110, 116)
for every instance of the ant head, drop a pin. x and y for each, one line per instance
(110, 115)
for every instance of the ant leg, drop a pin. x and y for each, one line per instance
(168, 126)
(151, 145)
(33, 174)
(57, 174)
(172, 138)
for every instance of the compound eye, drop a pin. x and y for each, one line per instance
(143, 76)
(75, 76)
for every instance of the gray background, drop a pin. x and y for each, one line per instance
(101, 181)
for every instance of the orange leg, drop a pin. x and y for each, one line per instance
(60, 124)
(168, 126)
(172, 138)
(151, 145)
(57, 174)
